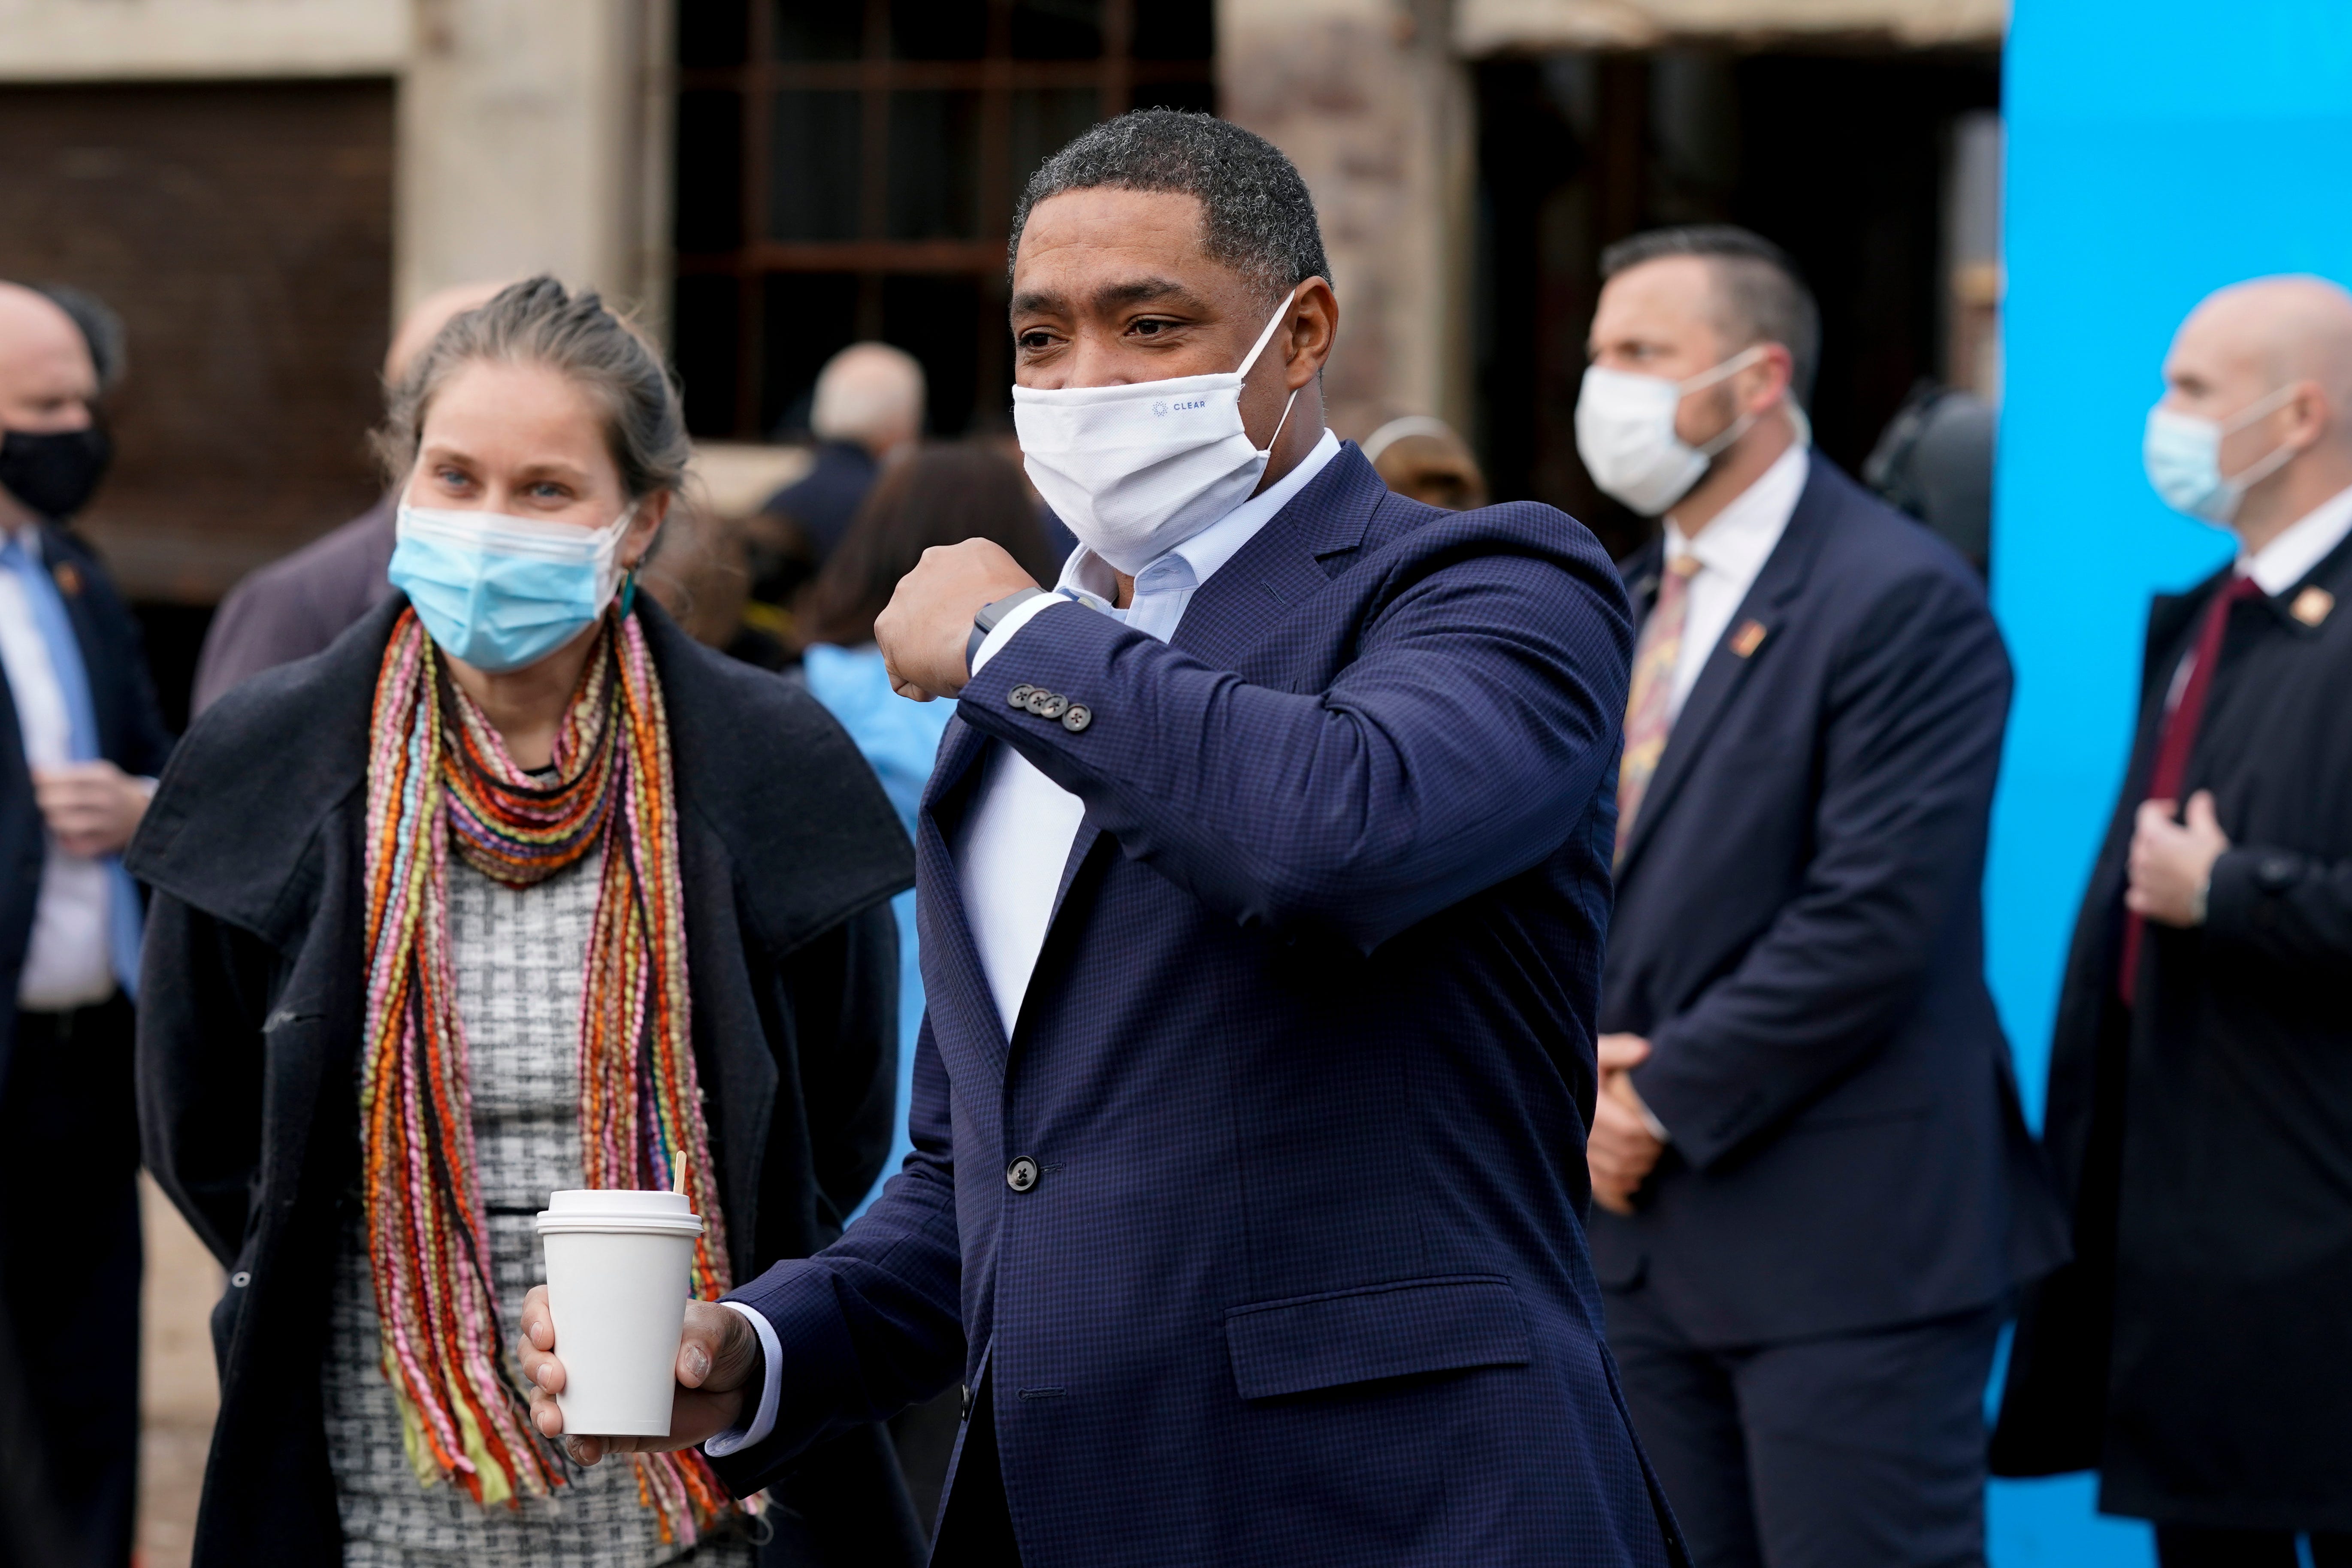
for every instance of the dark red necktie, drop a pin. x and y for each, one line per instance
(2175, 740)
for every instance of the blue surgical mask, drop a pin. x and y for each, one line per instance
(504, 592)
(2183, 457)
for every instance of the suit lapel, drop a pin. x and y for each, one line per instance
(1236, 609)
(1283, 563)
(1747, 641)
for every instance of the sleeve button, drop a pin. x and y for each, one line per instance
(1019, 695)
(1077, 718)
(1053, 707)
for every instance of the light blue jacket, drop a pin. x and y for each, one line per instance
(900, 738)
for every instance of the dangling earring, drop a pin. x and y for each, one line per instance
(628, 591)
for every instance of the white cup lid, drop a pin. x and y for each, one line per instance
(614, 1210)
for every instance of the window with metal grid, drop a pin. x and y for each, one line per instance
(847, 171)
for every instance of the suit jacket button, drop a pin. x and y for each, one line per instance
(1035, 701)
(1077, 718)
(1022, 1173)
(1019, 695)
(1053, 707)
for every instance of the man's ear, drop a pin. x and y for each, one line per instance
(1779, 368)
(1313, 329)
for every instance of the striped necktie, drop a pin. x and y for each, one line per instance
(1649, 709)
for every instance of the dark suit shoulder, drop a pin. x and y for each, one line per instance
(1407, 539)
(1865, 540)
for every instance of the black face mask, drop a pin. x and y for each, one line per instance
(55, 473)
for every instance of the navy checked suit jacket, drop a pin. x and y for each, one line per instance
(1304, 1068)
(1800, 935)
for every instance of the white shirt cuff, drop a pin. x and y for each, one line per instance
(772, 1356)
(1016, 617)
(1649, 1118)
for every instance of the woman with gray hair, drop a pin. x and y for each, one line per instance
(514, 889)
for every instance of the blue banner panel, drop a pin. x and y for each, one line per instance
(2157, 149)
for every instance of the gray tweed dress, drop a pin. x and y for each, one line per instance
(519, 957)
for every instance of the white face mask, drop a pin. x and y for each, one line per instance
(1625, 433)
(1136, 471)
(2182, 454)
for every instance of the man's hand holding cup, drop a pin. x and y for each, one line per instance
(719, 1374)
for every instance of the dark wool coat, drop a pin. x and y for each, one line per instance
(251, 1022)
(2198, 1351)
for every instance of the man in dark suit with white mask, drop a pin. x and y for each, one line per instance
(1262, 878)
(81, 741)
(1818, 1193)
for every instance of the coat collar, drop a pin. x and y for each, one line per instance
(1746, 642)
(234, 827)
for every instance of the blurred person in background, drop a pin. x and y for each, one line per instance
(1816, 1191)
(1934, 461)
(866, 409)
(80, 741)
(2198, 1352)
(1421, 456)
(515, 888)
(294, 607)
(942, 494)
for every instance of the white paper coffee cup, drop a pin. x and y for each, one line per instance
(620, 1268)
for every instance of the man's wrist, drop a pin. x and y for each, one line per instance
(1009, 625)
(759, 1418)
(987, 618)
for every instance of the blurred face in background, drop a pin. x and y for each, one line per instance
(2221, 368)
(51, 453)
(523, 440)
(47, 383)
(1433, 471)
(1661, 319)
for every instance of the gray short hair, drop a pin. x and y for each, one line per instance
(867, 390)
(1256, 214)
(1761, 298)
(537, 322)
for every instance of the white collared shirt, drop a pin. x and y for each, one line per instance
(2303, 544)
(2277, 566)
(68, 963)
(1013, 842)
(1731, 550)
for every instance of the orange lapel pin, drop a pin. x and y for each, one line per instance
(68, 578)
(1747, 638)
(2311, 606)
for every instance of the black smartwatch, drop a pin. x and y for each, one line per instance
(986, 620)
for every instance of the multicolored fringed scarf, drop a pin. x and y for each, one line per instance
(439, 777)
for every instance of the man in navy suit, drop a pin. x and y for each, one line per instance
(81, 741)
(1263, 876)
(1820, 1193)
